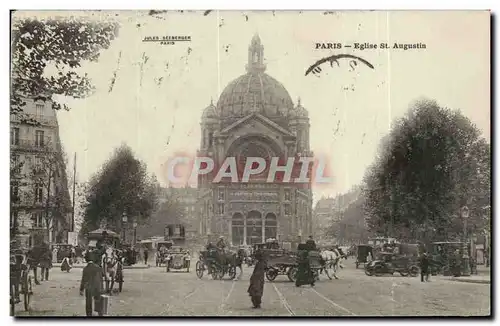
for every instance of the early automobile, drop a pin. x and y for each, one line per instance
(363, 252)
(390, 263)
(177, 258)
(447, 258)
(162, 248)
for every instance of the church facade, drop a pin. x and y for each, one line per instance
(254, 117)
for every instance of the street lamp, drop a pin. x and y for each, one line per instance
(465, 257)
(135, 233)
(124, 222)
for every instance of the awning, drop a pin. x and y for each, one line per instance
(99, 231)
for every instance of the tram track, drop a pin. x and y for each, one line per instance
(332, 303)
(283, 301)
(226, 298)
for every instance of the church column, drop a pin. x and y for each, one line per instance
(264, 226)
(230, 230)
(245, 229)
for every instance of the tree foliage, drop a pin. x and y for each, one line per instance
(121, 186)
(60, 43)
(433, 162)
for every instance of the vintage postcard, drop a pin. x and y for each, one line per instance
(257, 163)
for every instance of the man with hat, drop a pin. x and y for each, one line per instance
(91, 283)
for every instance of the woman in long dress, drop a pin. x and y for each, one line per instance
(304, 273)
(256, 288)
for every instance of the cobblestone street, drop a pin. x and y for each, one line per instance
(153, 292)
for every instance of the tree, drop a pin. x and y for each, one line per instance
(433, 162)
(121, 186)
(59, 43)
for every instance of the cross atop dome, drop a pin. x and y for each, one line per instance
(256, 56)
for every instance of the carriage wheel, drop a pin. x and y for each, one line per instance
(12, 300)
(232, 272)
(378, 270)
(27, 292)
(199, 269)
(292, 274)
(271, 274)
(217, 272)
(413, 271)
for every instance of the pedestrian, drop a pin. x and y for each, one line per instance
(146, 254)
(91, 283)
(54, 255)
(304, 273)
(424, 267)
(256, 288)
(45, 262)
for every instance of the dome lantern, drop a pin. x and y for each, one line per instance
(256, 56)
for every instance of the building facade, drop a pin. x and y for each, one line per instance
(40, 202)
(254, 117)
(177, 215)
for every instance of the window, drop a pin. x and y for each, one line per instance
(220, 209)
(39, 109)
(16, 163)
(37, 220)
(288, 195)
(287, 209)
(14, 192)
(14, 215)
(14, 136)
(39, 138)
(38, 164)
(38, 193)
(210, 139)
(221, 194)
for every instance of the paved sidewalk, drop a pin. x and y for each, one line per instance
(483, 276)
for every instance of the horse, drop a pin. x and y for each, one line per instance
(331, 259)
(110, 262)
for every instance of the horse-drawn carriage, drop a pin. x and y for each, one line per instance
(280, 262)
(177, 258)
(110, 259)
(161, 254)
(363, 253)
(21, 282)
(284, 262)
(217, 263)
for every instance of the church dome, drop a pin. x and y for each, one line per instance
(254, 91)
(210, 112)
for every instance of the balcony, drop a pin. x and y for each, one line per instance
(43, 120)
(30, 144)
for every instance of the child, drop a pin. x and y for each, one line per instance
(92, 284)
(256, 288)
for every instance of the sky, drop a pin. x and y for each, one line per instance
(350, 107)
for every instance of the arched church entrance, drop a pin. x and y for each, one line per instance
(271, 225)
(238, 229)
(254, 227)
